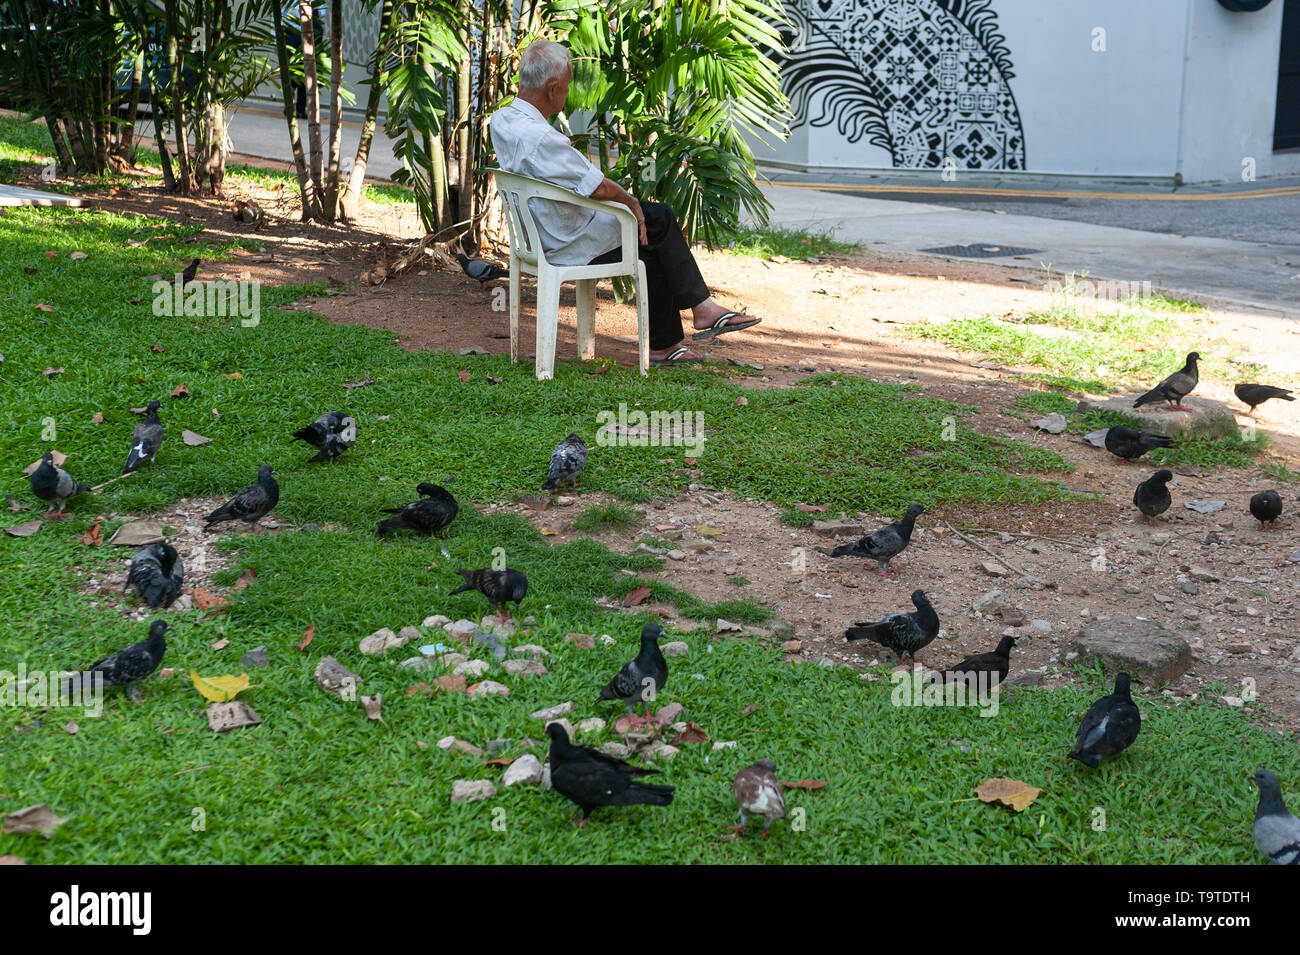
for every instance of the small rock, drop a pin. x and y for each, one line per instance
(593, 724)
(449, 743)
(676, 648)
(724, 744)
(1204, 507)
(462, 630)
(333, 677)
(563, 721)
(1238, 648)
(1203, 574)
(437, 620)
(1189, 587)
(670, 713)
(472, 790)
(583, 641)
(524, 771)
(407, 634)
(416, 663)
(792, 646)
(472, 668)
(1233, 701)
(989, 603)
(617, 750)
(782, 630)
(488, 688)
(497, 625)
(524, 668)
(1042, 626)
(256, 657)
(726, 626)
(451, 660)
(606, 640)
(994, 569)
(532, 650)
(379, 641)
(1162, 598)
(552, 712)
(661, 750)
(676, 555)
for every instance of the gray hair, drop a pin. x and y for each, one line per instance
(542, 60)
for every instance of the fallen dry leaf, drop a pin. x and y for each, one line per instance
(180, 392)
(221, 644)
(810, 508)
(71, 729)
(246, 578)
(692, 734)
(219, 689)
(135, 533)
(705, 530)
(636, 596)
(1008, 792)
(29, 270)
(42, 307)
(192, 439)
(690, 462)
(39, 818)
(499, 761)
(307, 636)
(75, 256)
(235, 375)
(741, 401)
(93, 537)
(373, 706)
(52, 371)
(97, 418)
(808, 785)
(209, 601)
(226, 716)
(155, 348)
(23, 530)
(50, 254)
(749, 709)
(464, 375)
(549, 531)
(359, 384)
(496, 379)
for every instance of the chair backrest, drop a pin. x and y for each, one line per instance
(515, 191)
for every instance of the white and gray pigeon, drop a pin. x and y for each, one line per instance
(480, 271)
(251, 504)
(53, 484)
(145, 440)
(157, 572)
(885, 544)
(567, 461)
(127, 667)
(1277, 831)
(904, 633)
(758, 793)
(641, 678)
(331, 434)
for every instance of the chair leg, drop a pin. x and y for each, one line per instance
(548, 317)
(642, 318)
(586, 319)
(514, 309)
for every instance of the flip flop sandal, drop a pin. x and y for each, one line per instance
(675, 358)
(720, 327)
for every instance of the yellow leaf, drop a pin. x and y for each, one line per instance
(548, 531)
(219, 689)
(706, 531)
(1009, 792)
(234, 374)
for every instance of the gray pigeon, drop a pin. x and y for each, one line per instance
(1174, 388)
(758, 793)
(500, 587)
(251, 504)
(157, 572)
(567, 461)
(884, 544)
(127, 667)
(331, 434)
(1109, 727)
(904, 633)
(145, 440)
(1277, 832)
(54, 484)
(480, 271)
(641, 678)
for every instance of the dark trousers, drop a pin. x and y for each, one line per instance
(673, 279)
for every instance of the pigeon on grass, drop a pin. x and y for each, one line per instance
(567, 461)
(251, 504)
(1109, 727)
(53, 484)
(145, 440)
(127, 667)
(429, 515)
(885, 544)
(1277, 831)
(591, 778)
(1174, 388)
(642, 677)
(904, 633)
(331, 434)
(157, 572)
(758, 793)
(500, 587)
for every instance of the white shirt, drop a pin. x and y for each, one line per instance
(527, 144)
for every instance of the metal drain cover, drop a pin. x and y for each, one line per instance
(982, 250)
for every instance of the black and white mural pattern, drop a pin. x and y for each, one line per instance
(925, 79)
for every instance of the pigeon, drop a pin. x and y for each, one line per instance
(1255, 395)
(54, 484)
(1109, 727)
(884, 544)
(591, 778)
(758, 794)
(994, 662)
(1174, 388)
(1129, 445)
(157, 572)
(331, 434)
(1152, 495)
(641, 678)
(128, 667)
(904, 633)
(145, 440)
(251, 504)
(567, 461)
(429, 515)
(480, 271)
(191, 270)
(1277, 832)
(1266, 507)
(498, 586)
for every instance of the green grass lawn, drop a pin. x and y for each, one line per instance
(317, 782)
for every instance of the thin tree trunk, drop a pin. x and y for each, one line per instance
(309, 196)
(185, 184)
(437, 180)
(313, 98)
(350, 200)
(126, 145)
(464, 171)
(214, 162)
(331, 204)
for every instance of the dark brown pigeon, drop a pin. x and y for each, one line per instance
(758, 793)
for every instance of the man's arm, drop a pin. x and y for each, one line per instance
(612, 191)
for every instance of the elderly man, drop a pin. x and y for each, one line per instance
(527, 144)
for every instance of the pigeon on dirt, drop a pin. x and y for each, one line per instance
(758, 793)
(251, 504)
(1256, 395)
(429, 515)
(1277, 831)
(145, 440)
(1174, 388)
(500, 587)
(191, 270)
(995, 663)
(885, 544)
(591, 778)
(1109, 727)
(904, 633)
(331, 434)
(1266, 507)
(1129, 445)
(53, 484)
(641, 678)
(1152, 496)
(567, 461)
(157, 572)
(480, 271)
(128, 667)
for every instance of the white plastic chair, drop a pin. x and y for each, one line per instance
(527, 255)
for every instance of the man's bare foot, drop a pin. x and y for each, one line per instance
(707, 312)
